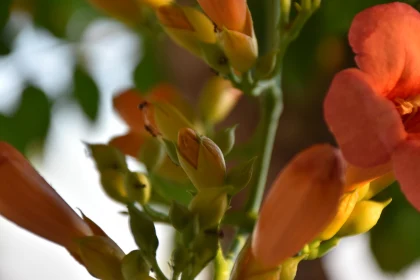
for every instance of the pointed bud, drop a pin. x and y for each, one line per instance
(135, 267)
(365, 215)
(347, 203)
(169, 120)
(27, 200)
(217, 99)
(113, 183)
(210, 205)
(127, 11)
(240, 176)
(265, 65)
(170, 148)
(144, 231)
(201, 159)
(289, 268)
(180, 260)
(102, 257)
(138, 187)
(230, 14)
(107, 157)
(241, 48)
(307, 192)
(187, 26)
(215, 57)
(130, 143)
(225, 139)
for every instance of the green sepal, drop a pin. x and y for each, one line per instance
(152, 153)
(134, 266)
(225, 139)
(107, 157)
(240, 176)
(180, 215)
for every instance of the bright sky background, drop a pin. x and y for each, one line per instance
(110, 49)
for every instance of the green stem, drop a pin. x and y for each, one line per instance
(271, 108)
(156, 269)
(236, 247)
(221, 267)
(155, 215)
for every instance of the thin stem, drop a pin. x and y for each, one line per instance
(271, 108)
(155, 215)
(156, 269)
(221, 267)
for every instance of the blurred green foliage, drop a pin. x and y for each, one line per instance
(310, 63)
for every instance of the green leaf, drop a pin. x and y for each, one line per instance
(144, 232)
(86, 93)
(395, 240)
(4, 12)
(148, 73)
(30, 123)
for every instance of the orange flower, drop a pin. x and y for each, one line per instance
(301, 203)
(373, 110)
(230, 14)
(29, 201)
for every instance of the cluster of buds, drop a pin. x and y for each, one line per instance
(224, 36)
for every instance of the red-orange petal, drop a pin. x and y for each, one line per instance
(406, 159)
(366, 125)
(357, 177)
(226, 13)
(130, 143)
(302, 201)
(30, 202)
(127, 105)
(386, 41)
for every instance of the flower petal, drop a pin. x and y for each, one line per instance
(386, 41)
(226, 13)
(302, 202)
(130, 143)
(366, 125)
(357, 177)
(30, 202)
(406, 160)
(127, 105)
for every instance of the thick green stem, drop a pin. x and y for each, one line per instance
(271, 108)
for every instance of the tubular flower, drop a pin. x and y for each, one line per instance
(301, 203)
(373, 110)
(30, 202)
(226, 13)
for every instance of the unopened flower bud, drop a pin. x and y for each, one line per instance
(27, 200)
(347, 203)
(201, 159)
(127, 11)
(169, 120)
(107, 157)
(102, 257)
(113, 183)
(365, 215)
(302, 202)
(210, 205)
(289, 268)
(241, 48)
(225, 139)
(135, 267)
(138, 187)
(217, 99)
(187, 26)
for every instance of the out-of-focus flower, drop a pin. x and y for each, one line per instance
(217, 99)
(154, 3)
(301, 203)
(230, 14)
(201, 159)
(373, 111)
(29, 201)
(127, 11)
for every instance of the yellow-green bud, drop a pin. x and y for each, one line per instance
(201, 159)
(347, 204)
(138, 187)
(107, 157)
(210, 205)
(169, 120)
(113, 183)
(135, 267)
(217, 99)
(102, 257)
(365, 215)
(289, 268)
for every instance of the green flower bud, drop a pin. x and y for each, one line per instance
(365, 215)
(169, 120)
(210, 205)
(135, 267)
(138, 187)
(265, 65)
(201, 159)
(240, 176)
(107, 157)
(113, 183)
(144, 231)
(102, 257)
(225, 139)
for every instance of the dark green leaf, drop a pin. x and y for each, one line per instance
(86, 92)
(4, 12)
